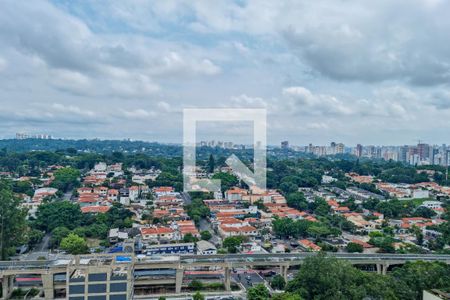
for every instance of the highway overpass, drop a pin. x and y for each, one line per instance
(130, 266)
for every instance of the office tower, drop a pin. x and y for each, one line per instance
(403, 153)
(424, 151)
(359, 150)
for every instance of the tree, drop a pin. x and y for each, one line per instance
(57, 235)
(162, 298)
(189, 238)
(34, 237)
(198, 296)
(288, 187)
(197, 210)
(211, 164)
(232, 242)
(322, 277)
(424, 212)
(385, 243)
(354, 247)
(414, 277)
(297, 200)
(318, 230)
(65, 178)
(12, 220)
(196, 285)
(258, 292)
(56, 214)
(74, 244)
(286, 227)
(278, 282)
(320, 207)
(205, 235)
(227, 180)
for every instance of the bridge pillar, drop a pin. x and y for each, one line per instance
(382, 268)
(49, 289)
(284, 272)
(385, 267)
(7, 286)
(227, 277)
(179, 280)
(379, 267)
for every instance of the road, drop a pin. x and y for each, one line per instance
(43, 245)
(186, 198)
(206, 225)
(40, 250)
(247, 278)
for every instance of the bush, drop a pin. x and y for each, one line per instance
(278, 282)
(354, 247)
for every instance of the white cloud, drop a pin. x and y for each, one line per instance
(319, 77)
(301, 100)
(71, 109)
(138, 114)
(248, 102)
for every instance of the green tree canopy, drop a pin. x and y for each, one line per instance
(227, 180)
(258, 292)
(206, 235)
(56, 214)
(278, 282)
(323, 277)
(297, 200)
(65, 178)
(57, 235)
(232, 242)
(74, 244)
(354, 247)
(413, 278)
(198, 296)
(12, 220)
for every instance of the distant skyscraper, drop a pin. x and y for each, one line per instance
(359, 150)
(340, 148)
(423, 151)
(24, 136)
(403, 154)
(333, 148)
(285, 145)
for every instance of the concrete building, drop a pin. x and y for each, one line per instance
(206, 248)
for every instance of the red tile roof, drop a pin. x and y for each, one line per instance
(95, 209)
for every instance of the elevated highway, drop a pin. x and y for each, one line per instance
(178, 264)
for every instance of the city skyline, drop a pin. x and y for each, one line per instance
(43, 135)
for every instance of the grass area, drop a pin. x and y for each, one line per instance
(416, 202)
(92, 243)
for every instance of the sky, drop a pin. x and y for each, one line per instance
(370, 72)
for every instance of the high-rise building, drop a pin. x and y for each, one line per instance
(333, 148)
(403, 153)
(359, 150)
(285, 145)
(340, 148)
(24, 136)
(424, 151)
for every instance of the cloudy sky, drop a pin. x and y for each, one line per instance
(371, 72)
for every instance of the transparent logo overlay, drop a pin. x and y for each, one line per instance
(255, 179)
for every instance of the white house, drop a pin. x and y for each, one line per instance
(206, 248)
